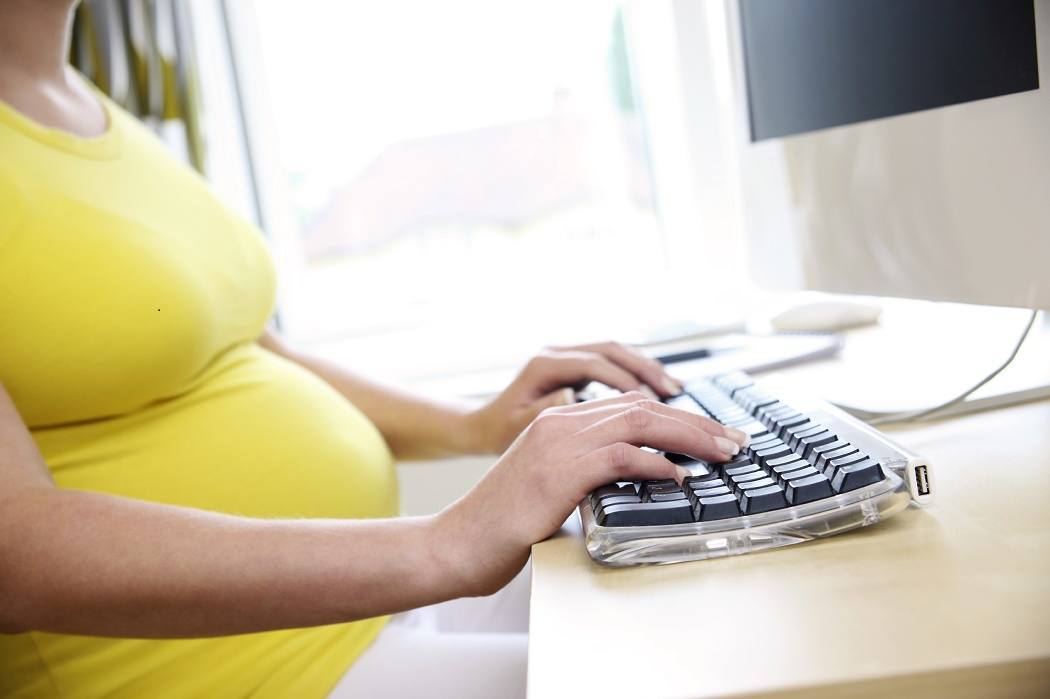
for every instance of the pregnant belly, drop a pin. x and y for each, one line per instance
(258, 436)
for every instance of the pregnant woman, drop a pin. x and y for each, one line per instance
(191, 508)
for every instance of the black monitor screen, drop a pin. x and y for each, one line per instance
(811, 64)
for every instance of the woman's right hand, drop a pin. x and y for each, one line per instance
(553, 464)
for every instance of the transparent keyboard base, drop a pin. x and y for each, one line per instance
(676, 543)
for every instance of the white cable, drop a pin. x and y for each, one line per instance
(916, 415)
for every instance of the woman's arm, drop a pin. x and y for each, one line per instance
(416, 427)
(413, 426)
(86, 563)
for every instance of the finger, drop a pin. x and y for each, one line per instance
(712, 427)
(593, 411)
(561, 399)
(621, 461)
(576, 368)
(588, 405)
(646, 369)
(640, 426)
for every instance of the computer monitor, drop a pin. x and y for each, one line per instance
(897, 147)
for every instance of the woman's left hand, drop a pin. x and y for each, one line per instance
(552, 377)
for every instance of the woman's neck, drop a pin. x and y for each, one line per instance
(34, 76)
(34, 39)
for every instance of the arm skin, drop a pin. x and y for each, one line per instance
(415, 427)
(86, 563)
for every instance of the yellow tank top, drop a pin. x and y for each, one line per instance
(130, 301)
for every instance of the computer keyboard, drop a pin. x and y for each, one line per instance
(809, 471)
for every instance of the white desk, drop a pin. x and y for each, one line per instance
(951, 600)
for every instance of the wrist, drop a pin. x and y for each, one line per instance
(453, 552)
(476, 432)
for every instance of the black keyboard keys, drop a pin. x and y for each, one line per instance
(756, 500)
(825, 456)
(808, 488)
(857, 475)
(814, 439)
(774, 451)
(716, 507)
(645, 514)
(792, 460)
(813, 452)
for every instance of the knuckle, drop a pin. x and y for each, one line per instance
(544, 422)
(648, 404)
(539, 361)
(635, 397)
(637, 417)
(551, 421)
(619, 458)
(592, 358)
(551, 414)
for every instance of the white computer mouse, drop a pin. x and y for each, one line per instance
(825, 316)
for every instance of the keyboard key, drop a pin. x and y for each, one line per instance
(803, 490)
(789, 422)
(831, 468)
(720, 489)
(788, 458)
(667, 496)
(857, 475)
(612, 490)
(773, 420)
(718, 507)
(826, 456)
(649, 492)
(764, 456)
(753, 428)
(766, 440)
(823, 448)
(646, 514)
(797, 437)
(779, 408)
(618, 500)
(741, 470)
(789, 467)
(763, 482)
(807, 444)
(754, 501)
(701, 481)
(742, 478)
(790, 434)
(733, 380)
(803, 471)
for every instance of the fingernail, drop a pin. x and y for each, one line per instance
(739, 436)
(671, 386)
(683, 474)
(728, 446)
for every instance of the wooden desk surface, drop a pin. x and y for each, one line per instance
(950, 600)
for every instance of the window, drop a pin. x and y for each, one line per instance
(446, 181)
